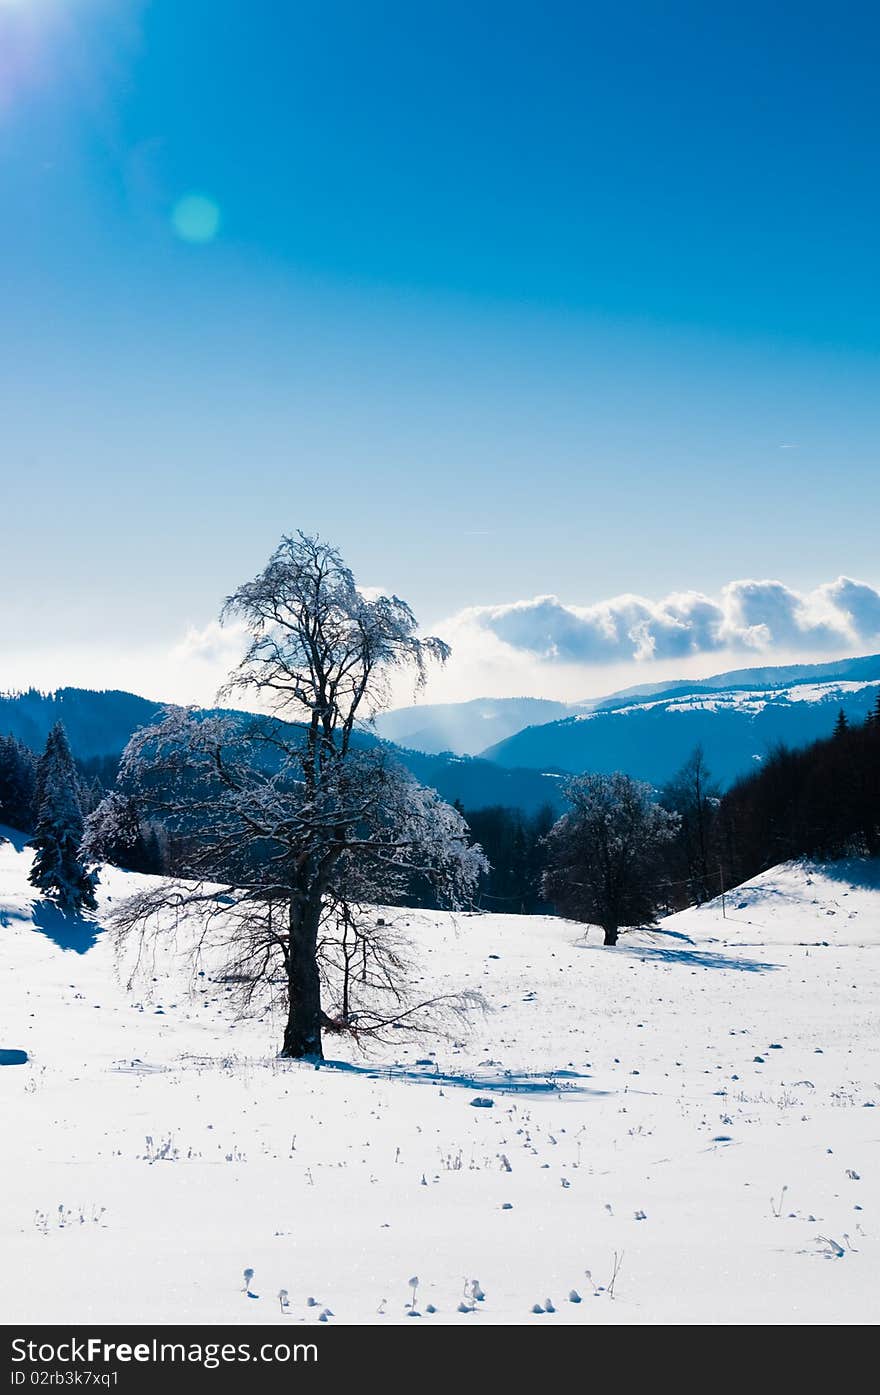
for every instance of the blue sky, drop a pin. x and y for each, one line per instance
(507, 300)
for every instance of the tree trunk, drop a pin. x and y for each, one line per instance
(302, 1034)
(610, 934)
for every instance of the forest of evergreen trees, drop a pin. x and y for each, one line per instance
(18, 775)
(86, 784)
(514, 845)
(820, 801)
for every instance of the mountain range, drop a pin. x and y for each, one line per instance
(649, 731)
(515, 751)
(466, 728)
(99, 724)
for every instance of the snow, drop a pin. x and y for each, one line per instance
(699, 1102)
(740, 699)
(756, 701)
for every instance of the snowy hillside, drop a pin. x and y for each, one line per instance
(651, 739)
(700, 1102)
(648, 730)
(481, 724)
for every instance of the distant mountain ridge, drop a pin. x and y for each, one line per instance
(98, 723)
(101, 723)
(737, 718)
(482, 725)
(773, 677)
(648, 731)
(465, 728)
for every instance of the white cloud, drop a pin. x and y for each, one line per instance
(546, 648)
(541, 647)
(859, 603)
(749, 615)
(213, 644)
(760, 614)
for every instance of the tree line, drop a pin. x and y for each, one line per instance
(514, 844)
(144, 847)
(821, 801)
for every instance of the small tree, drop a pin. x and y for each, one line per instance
(58, 870)
(301, 818)
(602, 856)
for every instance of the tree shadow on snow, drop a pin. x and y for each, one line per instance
(670, 934)
(68, 932)
(857, 872)
(689, 958)
(556, 1082)
(11, 835)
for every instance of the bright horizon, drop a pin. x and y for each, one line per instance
(194, 670)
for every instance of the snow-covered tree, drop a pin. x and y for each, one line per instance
(303, 819)
(115, 833)
(18, 766)
(58, 870)
(603, 855)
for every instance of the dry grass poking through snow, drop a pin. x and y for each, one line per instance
(683, 1129)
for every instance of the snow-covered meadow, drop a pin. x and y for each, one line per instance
(697, 1109)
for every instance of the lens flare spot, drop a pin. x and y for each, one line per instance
(196, 218)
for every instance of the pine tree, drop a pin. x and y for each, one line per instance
(92, 794)
(17, 776)
(58, 871)
(841, 725)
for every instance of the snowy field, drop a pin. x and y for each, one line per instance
(702, 1102)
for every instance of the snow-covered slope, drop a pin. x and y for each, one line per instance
(699, 1101)
(651, 739)
(486, 724)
